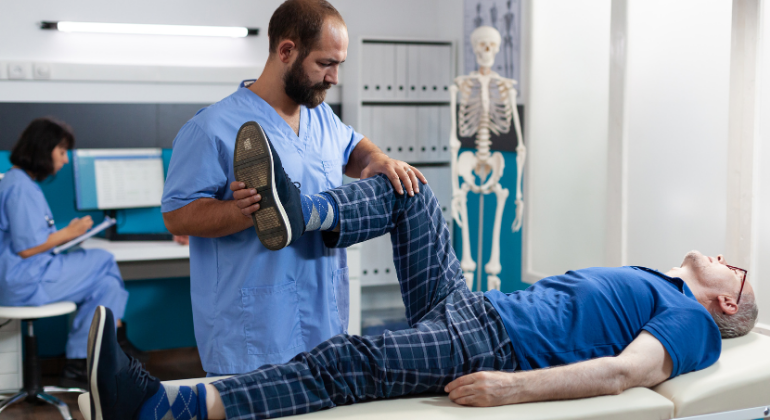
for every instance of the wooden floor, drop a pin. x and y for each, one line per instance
(163, 364)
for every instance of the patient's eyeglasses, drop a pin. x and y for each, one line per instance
(743, 281)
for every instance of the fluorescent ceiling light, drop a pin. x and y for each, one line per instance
(146, 29)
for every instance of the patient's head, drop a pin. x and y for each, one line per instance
(717, 287)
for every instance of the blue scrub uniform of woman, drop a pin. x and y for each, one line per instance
(87, 277)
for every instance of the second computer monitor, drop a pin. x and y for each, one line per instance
(110, 179)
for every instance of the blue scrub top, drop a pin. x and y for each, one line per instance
(252, 306)
(597, 312)
(26, 221)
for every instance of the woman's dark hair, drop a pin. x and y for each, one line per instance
(32, 152)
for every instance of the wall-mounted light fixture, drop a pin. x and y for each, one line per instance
(147, 29)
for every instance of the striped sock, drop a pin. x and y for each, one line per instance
(320, 212)
(177, 403)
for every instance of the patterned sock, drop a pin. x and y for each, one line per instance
(320, 211)
(176, 402)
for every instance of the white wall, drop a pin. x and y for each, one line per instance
(567, 122)
(677, 126)
(674, 127)
(18, 23)
(683, 115)
(760, 278)
(21, 40)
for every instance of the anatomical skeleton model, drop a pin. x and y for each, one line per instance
(487, 105)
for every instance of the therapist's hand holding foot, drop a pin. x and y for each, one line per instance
(281, 214)
(247, 199)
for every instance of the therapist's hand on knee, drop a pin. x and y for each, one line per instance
(399, 172)
(246, 199)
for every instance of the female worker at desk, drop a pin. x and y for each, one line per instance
(30, 274)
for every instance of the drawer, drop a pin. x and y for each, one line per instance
(9, 363)
(11, 327)
(354, 262)
(10, 382)
(10, 342)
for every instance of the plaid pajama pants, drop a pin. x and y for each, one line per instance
(454, 331)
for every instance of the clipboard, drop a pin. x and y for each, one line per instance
(108, 221)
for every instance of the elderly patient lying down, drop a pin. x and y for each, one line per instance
(597, 330)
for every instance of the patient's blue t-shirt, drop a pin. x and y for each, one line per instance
(597, 312)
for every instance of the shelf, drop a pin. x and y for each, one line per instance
(404, 102)
(386, 281)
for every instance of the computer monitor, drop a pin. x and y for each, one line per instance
(111, 179)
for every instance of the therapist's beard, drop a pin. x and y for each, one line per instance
(300, 89)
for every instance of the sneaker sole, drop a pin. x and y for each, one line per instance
(254, 166)
(95, 335)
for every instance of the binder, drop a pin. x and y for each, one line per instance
(413, 71)
(368, 67)
(402, 67)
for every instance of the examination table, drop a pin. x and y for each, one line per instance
(736, 387)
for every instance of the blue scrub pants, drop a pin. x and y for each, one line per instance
(89, 278)
(454, 331)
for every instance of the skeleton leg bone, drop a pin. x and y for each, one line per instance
(466, 264)
(493, 267)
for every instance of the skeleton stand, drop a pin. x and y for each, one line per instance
(482, 113)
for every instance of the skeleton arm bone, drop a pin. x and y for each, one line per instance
(454, 145)
(521, 156)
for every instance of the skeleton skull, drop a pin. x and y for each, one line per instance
(486, 44)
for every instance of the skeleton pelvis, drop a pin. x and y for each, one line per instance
(489, 171)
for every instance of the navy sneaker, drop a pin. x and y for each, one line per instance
(279, 220)
(117, 383)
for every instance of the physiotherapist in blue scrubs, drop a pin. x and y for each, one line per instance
(30, 274)
(252, 306)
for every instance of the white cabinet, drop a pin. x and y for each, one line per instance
(10, 356)
(400, 69)
(414, 133)
(405, 98)
(404, 109)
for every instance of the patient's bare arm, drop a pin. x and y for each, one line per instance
(645, 362)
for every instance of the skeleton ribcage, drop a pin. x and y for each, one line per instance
(471, 116)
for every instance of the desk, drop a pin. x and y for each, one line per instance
(142, 260)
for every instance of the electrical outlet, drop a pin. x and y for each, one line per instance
(41, 71)
(19, 71)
